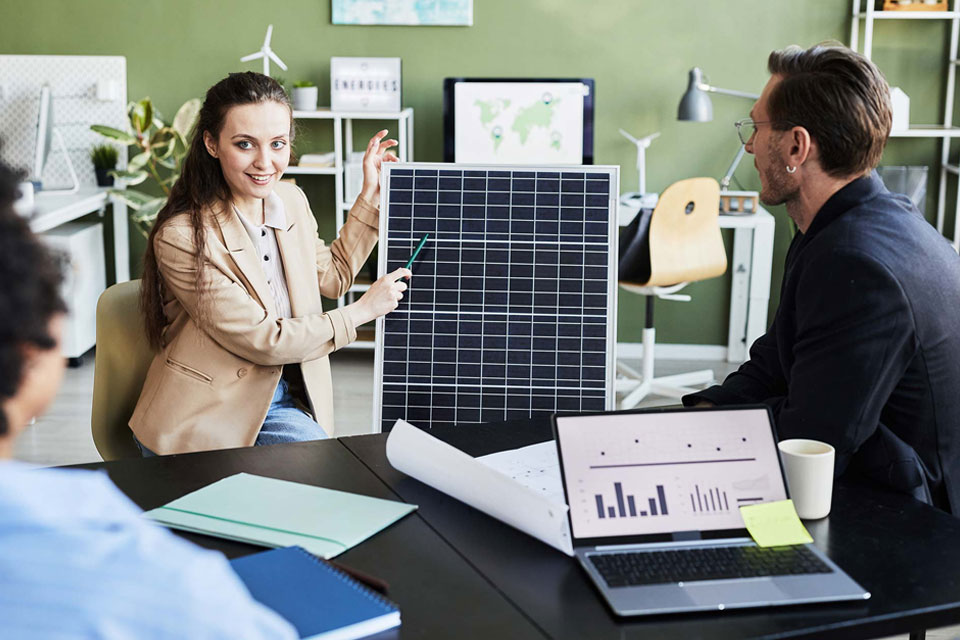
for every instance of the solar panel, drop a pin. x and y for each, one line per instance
(512, 306)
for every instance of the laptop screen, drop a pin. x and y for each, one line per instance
(661, 472)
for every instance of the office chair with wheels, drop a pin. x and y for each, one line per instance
(123, 357)
(662, 251)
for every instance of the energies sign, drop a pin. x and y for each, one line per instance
(365, 84)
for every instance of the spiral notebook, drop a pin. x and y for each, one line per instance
(318, 599)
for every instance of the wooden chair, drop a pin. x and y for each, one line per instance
(660, 253)
(123, 357)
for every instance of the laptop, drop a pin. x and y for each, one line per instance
(654, 514)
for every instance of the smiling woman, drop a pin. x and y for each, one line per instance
(254, 150)
(233, 276)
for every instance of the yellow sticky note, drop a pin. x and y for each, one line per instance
(774, 524)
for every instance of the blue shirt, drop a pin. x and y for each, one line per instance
(78, 561)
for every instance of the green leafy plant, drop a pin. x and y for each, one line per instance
(302, 84)
(104, 157)
(159, 153)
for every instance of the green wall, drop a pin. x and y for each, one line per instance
(638, 51)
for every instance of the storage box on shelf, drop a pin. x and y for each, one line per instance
(916, 5)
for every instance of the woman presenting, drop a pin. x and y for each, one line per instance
(233, 274)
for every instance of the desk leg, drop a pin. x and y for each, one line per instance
(740, 294)
(759, 283)
(121, 241)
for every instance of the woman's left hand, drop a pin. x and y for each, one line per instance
(373, 160)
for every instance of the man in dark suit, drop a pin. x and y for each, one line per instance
(864, 351)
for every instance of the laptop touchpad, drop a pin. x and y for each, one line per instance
(756, 590)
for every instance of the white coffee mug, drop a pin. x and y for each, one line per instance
(808, 465)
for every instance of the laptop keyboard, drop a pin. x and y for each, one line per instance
(705, 563)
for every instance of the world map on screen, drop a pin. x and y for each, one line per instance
(533, 122)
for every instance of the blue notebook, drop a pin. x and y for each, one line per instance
(318, 599)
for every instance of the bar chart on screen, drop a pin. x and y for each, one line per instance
(708, 499)
(649, 473)
(626, 504)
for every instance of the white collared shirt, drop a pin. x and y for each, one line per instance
(264, 240)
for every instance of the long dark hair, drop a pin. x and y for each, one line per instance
(201, 185)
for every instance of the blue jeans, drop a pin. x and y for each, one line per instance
(285, 422)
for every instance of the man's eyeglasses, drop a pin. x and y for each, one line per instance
(747, 128)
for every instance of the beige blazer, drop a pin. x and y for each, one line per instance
(211, 385)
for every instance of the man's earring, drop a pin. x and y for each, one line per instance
(791, 169)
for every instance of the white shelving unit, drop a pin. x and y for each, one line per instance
(342, 147)
(865, 10)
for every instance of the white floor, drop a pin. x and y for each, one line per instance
(62, 436)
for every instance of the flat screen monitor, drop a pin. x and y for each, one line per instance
(518, 120)
(44, 132)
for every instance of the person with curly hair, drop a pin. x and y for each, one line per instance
(76, 558)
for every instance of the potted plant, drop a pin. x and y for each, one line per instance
(304, 96)
(159, 152)
(104, 157)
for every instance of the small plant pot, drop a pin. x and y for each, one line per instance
(305, 98)
(104, 179)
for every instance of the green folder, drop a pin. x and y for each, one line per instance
(279, 513)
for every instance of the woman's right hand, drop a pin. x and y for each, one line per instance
(381, 298)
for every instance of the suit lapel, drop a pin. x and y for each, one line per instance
(243, 254)
(301, 273)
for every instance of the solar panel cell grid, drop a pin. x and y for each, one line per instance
(510, 309)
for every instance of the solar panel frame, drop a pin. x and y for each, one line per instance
(508, 341)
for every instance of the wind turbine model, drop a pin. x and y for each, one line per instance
(642, 145)
(266, 53)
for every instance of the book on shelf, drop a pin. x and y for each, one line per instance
(317, 160)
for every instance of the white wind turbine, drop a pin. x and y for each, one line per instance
(642, 145)
(266, 53)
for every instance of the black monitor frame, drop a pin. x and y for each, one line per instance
(449, 117)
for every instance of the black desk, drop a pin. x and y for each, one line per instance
(458, 573)
(906, 553)
(440, 595)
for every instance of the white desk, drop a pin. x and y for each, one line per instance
(52, 210)
(752, 264)
(750, 291)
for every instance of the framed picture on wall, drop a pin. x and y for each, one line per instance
(438, 13)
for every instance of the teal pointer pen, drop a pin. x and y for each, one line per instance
(416, 251)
